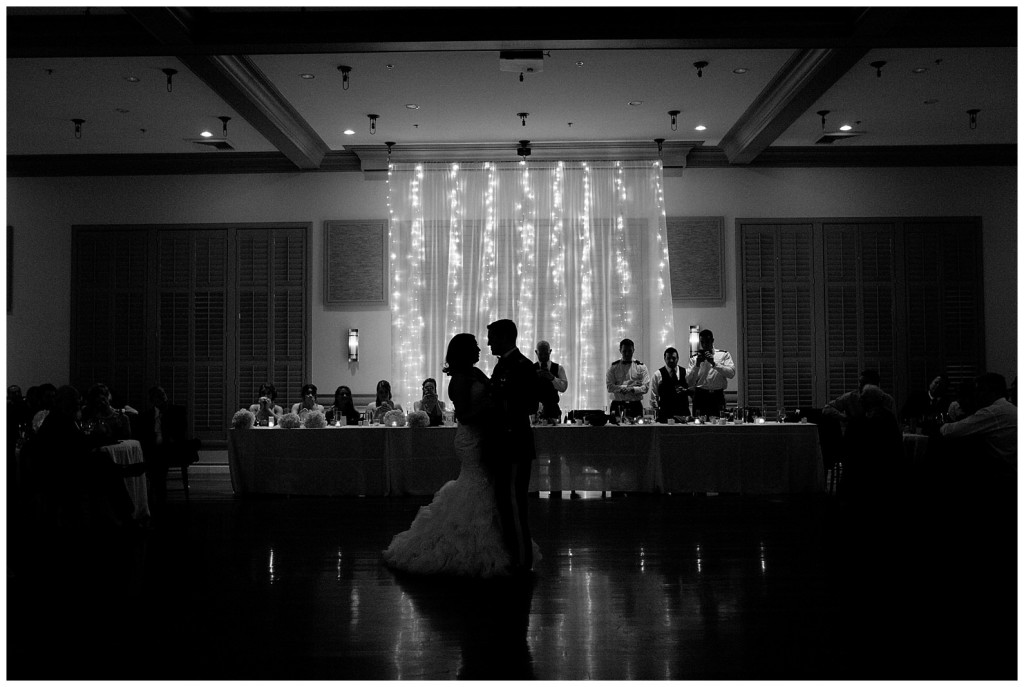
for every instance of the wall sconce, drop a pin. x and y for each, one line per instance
(353, 345)
(694, 339)
(373, 123)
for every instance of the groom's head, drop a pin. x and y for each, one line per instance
(501, 336)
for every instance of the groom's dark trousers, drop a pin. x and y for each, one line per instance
(516, 391)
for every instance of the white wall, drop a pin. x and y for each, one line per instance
(43, 210)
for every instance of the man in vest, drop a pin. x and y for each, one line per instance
(552, 382)
(669, 391)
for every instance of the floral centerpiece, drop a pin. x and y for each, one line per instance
(418, 418)
(314, 419)
(290, 421)
(243, 419)
(394, 418)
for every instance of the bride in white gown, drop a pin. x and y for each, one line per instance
(459, 533)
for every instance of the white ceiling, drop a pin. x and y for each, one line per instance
(464, 98)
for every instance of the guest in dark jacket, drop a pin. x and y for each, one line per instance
(84, 487)
(875, 466)
(163, 433)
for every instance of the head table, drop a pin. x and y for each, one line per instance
(768, 458)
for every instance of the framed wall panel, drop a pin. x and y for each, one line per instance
(696, 255)
(355, 264)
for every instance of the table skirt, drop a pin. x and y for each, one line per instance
(376, 461)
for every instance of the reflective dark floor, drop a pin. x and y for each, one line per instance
(630, 587)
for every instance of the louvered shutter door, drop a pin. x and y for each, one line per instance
(272, 308)
(944, 301)
(860, 294)
(796, 318)
(778, 354)
(210, 413)
(289, 297)
(110, 285)
(253, 316)
(192, 321)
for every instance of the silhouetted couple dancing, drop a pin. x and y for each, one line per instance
(477, 525)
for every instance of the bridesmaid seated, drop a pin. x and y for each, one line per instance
(430, 404)
(308, 401)
(343, 408)
(376, 409)
(264, 408)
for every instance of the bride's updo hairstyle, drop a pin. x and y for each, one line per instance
(460, 353)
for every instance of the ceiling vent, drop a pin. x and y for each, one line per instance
(521, 61)
(215, 143)
(833, 136)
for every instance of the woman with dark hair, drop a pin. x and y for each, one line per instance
(100, 418)
(459, 532)
(265, 407)
(377, 408)
(429, 404)
(308, 402)
(343, 409)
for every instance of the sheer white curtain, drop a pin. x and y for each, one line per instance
(574, 252)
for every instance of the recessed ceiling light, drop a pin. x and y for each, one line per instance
(307, 76)
(205, 134)
(348, 132)
(636, 103)
(845, 127)
(930, 101)
(412, 106)
(580, 63)
(919, 70)
(131, 78)
(120, 110)
(699, 127)
(389, 66)
(740, 70)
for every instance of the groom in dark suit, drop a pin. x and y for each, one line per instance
(514, 384)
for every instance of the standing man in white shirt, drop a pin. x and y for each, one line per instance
(628, 381)
(708, 376)
(553, 382)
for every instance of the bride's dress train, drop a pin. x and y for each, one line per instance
(458, 532)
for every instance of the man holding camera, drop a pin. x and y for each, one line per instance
(708, 376)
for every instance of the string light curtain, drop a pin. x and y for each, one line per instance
(574, 252)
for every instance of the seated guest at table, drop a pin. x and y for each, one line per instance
(628, 381)
(924, 408)
(163, 433)
(875, 464)
(343, 409)
(553, 382)
(308, 401)
(708, 376)
(100, 418)
(378, 407)
(83, 487)
(964, 403)
(848, 406)
(429, 403)
(994, 424)
(265, 407)
(669, 393)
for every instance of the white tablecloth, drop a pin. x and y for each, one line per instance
(748, 459)
(129, 452)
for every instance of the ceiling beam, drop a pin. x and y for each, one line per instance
(807, 75)
(288, 30)
(242, 85)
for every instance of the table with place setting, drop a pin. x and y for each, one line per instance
(746, 458)
(129, 452)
